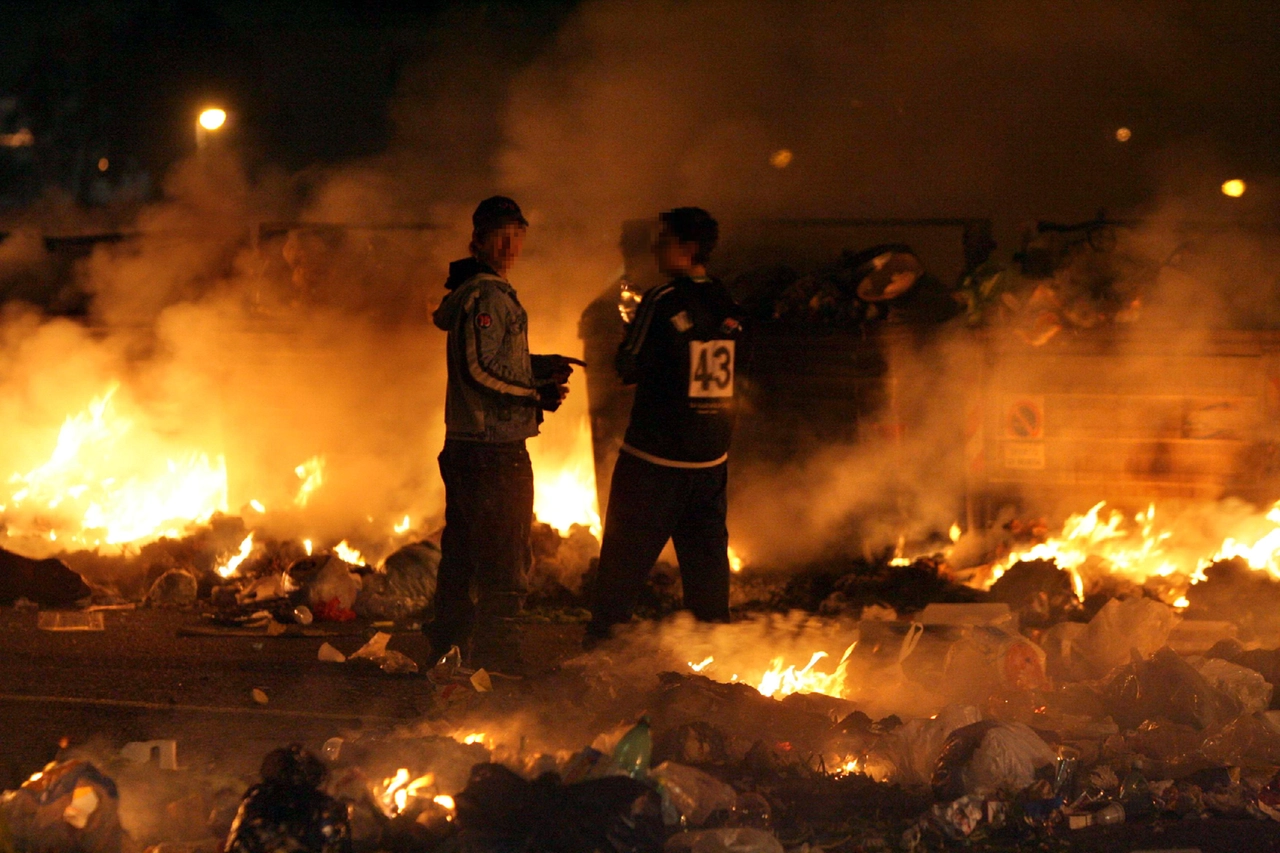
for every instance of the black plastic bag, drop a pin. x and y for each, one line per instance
(500, 811)
(287, 811)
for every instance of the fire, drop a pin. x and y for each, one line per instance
(779, 681)
(398, 790)
(1142, 548)
(565, 494)
(347, 554)
(735, 560)
(233, 562)
(311, 473)
(476, 737)
(105, 484)
(402, 526)
(783, 682)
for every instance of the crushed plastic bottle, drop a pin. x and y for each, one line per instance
(634, 750)
(332, 748)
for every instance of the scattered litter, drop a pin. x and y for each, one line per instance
(302, 615)
(332, 748)
(725, 840)
(70, 620)
(163, 752)
(48, 583)
(635, 750)
(390, 661)
(375, 648)
(70, 807)
(174, 588)
(329, 654)
(259, 695)
(988, 757)
(610, 815)
(481, 682)
(288, 811)
(691, 795)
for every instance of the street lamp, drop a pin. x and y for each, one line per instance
(209, 121)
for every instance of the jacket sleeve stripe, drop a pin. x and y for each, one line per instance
(480, 368)
(644, 318)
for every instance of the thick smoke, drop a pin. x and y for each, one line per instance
(903, 109)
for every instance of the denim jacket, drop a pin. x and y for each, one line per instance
(491, 394)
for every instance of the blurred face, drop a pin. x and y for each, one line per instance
(500, 247)
(674, 257)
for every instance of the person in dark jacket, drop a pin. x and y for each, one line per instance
(669, 483)
(496, 396)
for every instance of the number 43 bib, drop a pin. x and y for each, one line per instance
(711, 368)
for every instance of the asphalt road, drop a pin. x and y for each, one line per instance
(140, 680)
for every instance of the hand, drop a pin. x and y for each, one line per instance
(553, 368)
(551, 395)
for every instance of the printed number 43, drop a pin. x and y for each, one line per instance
(711, 368)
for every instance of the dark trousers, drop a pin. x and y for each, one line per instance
(488, 493)
(649, 504)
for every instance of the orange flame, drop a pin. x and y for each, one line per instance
(104, 484)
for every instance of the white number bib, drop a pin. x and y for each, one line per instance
(711, 367)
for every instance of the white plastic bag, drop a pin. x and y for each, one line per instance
(1245, 685)
(693, 794)
(1007, 760)
(908, 754)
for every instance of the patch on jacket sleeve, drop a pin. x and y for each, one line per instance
(682, 322)
(484, 321)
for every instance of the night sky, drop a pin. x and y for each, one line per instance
(321, 83)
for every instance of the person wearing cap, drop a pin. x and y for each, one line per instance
(495, 399)
(681, 353)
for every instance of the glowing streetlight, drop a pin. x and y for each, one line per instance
(212, 118)
(1233, 188)
(209, 121)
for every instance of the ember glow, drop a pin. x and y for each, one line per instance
(105, 484)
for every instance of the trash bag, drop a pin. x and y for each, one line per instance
(328, 583)
(693, 795)
(907, 754)
(1167, 687)
(405, 585)
(287, 811)
(987, 757)
(727, 840)
(48, 583)
(174, 588)
(66, 808)
(1247, 741)
(1246, 686)
(1116, 631)
(1263, 661)
(500, 810)
(991, 658)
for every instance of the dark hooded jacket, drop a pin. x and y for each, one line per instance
(491, 394)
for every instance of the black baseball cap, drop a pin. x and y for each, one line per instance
(495, 212)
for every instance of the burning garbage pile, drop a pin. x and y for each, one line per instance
(118, 514)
